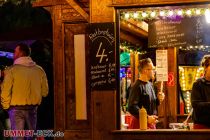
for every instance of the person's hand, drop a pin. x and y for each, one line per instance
(152, 119)
(161, 96)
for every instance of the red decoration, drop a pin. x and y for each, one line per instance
(170, 81)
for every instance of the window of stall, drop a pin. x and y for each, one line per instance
(145, 30)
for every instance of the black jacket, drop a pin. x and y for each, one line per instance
(200, 99)
(142, 94)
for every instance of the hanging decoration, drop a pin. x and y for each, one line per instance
(196, 48)
(126, 47)
(187, 75)
(164, 13)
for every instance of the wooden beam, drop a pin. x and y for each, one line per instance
(141, 24)
(79, 9)
(46, 3)
(134, 29)
(131, 39)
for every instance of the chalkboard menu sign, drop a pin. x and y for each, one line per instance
(102, 56)
(179, 32)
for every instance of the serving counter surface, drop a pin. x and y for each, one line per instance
(161, 134)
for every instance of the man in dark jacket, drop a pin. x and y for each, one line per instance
(142, 95)
(200, 97)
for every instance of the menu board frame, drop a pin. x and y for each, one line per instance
(102, 41)
(182, 32)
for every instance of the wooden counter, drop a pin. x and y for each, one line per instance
(161, 134)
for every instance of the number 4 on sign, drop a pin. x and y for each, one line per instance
(100, 55)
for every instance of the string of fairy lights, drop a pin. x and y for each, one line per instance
(129, 49)
(158, 13)
(164, 13)
(196, 48)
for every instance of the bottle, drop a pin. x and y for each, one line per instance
(143, 118)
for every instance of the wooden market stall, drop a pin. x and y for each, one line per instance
(99, 117)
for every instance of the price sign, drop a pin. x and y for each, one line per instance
(102, 56)
(177, 32)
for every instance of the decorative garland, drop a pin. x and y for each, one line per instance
(163, 14)
(196, 48)
(184, 87)
(127, 48)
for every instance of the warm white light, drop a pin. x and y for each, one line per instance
(127, 15)
(189, 12)
(180, 12)
(207, 11)
(198, 11)
(207, 15)
(170, 13)
(162, 13)
(144, 14)
(135, 15)
(153, 14)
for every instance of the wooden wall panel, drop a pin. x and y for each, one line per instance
(136, 69)
(171, 91)
(77, 135)
(64, 82)
(71, 15)
(100, 12)
(59, 71)
(103, 102)
(104, 114)
(132, 66)
(71, 122)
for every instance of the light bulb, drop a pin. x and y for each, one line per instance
(144, 14)
(189, 12)
(207, 15)
(198, 11)
(153, 14)
(170, 13)
(180, 12)
(162, 13)
(135, 15)
(127, 15)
